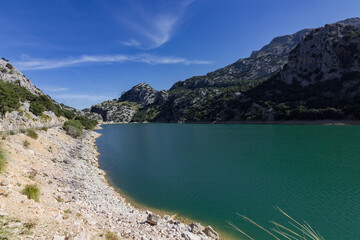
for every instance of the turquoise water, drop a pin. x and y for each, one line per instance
(211, 172)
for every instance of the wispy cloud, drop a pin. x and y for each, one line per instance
(154, 28)
(54, 89)
(35, 64)
(132, 42)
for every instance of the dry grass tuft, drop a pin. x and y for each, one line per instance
(296, 231)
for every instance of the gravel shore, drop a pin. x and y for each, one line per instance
(76, 201)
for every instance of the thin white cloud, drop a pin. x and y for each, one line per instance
(54, 89)
(131, 42)
(36, 64)
(154, 28)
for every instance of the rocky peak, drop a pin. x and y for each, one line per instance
(144, 94)
(10, 74)
(325, 53)
(261, 64)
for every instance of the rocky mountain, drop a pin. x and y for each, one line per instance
(123, 109)
(312, 74)
(145, 95)
(23, 105)
(10, 74)
(261, 64)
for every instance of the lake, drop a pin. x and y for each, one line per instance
(210, 172)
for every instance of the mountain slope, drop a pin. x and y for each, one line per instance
(312, 74)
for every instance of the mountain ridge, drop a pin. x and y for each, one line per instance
(239, 91)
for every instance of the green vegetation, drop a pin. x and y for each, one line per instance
(12, 133)
(31, 133)
(111, 236)
(86, 122)
(11, 95)
(9, 66)
(2, 159)
(36, 108)
(32, 192)
(146, 114)
(44, 129)
(74, 128)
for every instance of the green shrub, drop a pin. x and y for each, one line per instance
(12, 133)
(9, 66)
(74, 128)
(86, 122)
(32, 192)
(31, 133)
(44, 129)
(22, 130)
(3, 70)
(2, 159)
(37, 108)
(111, 236)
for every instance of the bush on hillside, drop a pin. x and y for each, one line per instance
(86, 122)
(9, 66)
(36, 108)
(74, 128)
(32, 192)
(31, 133)
(2, 159)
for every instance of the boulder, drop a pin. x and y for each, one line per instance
(5, 182)
(153, 219)
(196, 228)
(210, 232)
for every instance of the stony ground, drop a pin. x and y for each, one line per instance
(76, 202)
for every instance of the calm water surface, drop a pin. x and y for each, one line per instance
(211, 172)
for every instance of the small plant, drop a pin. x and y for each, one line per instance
(50, 149)
(3, 70)
(79, 215)
(22, 130)
(111, 236)
(26, 144)
(31, 176)
(29, 225)
(32, 192)
(67, 211)
(59, 199)
(12, 133)
(31, 133)
(53, 160)
(44, 129)
(2, 159)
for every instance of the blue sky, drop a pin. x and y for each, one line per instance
(84, 52)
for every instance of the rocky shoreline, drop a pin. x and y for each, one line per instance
(76, 200)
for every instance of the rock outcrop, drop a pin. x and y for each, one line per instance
(144, 94)
(10, 74)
